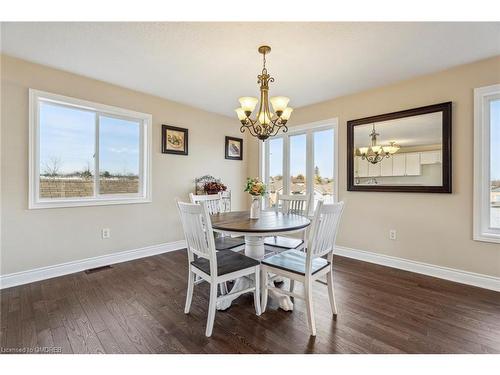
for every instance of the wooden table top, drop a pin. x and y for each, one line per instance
(239, 221)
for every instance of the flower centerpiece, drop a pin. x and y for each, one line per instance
(214, 187)
(256, 189)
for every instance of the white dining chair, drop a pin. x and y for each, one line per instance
(216, 205)
(213, 266)
(309, 266)
(289, 204)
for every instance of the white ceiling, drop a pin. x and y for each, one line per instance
(407, 132)
(209, 65)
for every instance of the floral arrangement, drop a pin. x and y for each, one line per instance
(214, 187)
(255, 187)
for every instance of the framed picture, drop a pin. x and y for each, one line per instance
(234, 148)
(174, 140)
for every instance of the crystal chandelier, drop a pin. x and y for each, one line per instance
(266, 124)
(375, 153)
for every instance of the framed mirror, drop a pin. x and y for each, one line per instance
(406, 151)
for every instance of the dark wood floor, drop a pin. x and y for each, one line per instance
(137, 307)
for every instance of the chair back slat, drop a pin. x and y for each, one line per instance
(324, 228)
(213, 202)
(292, 204)
(197, 229)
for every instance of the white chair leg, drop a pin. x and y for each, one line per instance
(331, 294)
(256, 293)
(223, 288)
(309, 305)
(211, 308)
(189, 295)
(292, 285)
(264, 281)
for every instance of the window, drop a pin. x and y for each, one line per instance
(302, 161)
(298, 156)
(487, 163)
(323, 181)
(275, 180)
(84, 153)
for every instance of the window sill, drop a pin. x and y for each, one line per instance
(86, 203)
(487, 237)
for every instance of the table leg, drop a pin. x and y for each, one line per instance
(254, 248)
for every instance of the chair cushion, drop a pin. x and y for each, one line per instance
(294, 261)
(283, 242)
(228, 243)
(227, 262)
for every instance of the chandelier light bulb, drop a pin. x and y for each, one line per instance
(264, 118)
(279, 103)
(363, 150)
(393, 148)
(287, 112)
(248, 103)
(376, 149)
(241, 114)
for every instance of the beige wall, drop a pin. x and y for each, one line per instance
(37, 238)
(431, 228)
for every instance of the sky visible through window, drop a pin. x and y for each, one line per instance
(323, 146)
(119, 146)
(276, 157)
(67, 138)
(298, 155)
(495, 139)
(323, 153)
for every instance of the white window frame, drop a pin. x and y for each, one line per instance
(482, 230)
(145, 193)
(309, 129)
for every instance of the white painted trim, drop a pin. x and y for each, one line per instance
(452, 274)
(482, 231)
(43, 273)
(145, 170)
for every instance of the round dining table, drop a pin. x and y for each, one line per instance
(269, 224)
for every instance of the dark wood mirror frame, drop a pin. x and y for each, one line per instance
(445, 108)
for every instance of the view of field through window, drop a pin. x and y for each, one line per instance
(68, 150)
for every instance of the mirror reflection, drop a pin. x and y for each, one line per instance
(405, 151)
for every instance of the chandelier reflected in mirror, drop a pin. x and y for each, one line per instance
(376, 153)
(266, 123)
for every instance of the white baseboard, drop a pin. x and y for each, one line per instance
(24, 277)
(459, 276)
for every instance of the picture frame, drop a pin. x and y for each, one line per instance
(233, 148)
(174, 140)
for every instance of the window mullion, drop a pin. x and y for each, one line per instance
(96, 156)
(143, 161)
(286, 164)
(310, 166)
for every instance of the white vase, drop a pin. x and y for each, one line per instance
(255, 208)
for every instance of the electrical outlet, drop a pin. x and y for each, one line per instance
(105, 233)
(392, 234)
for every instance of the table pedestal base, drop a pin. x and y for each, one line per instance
(254, 248)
